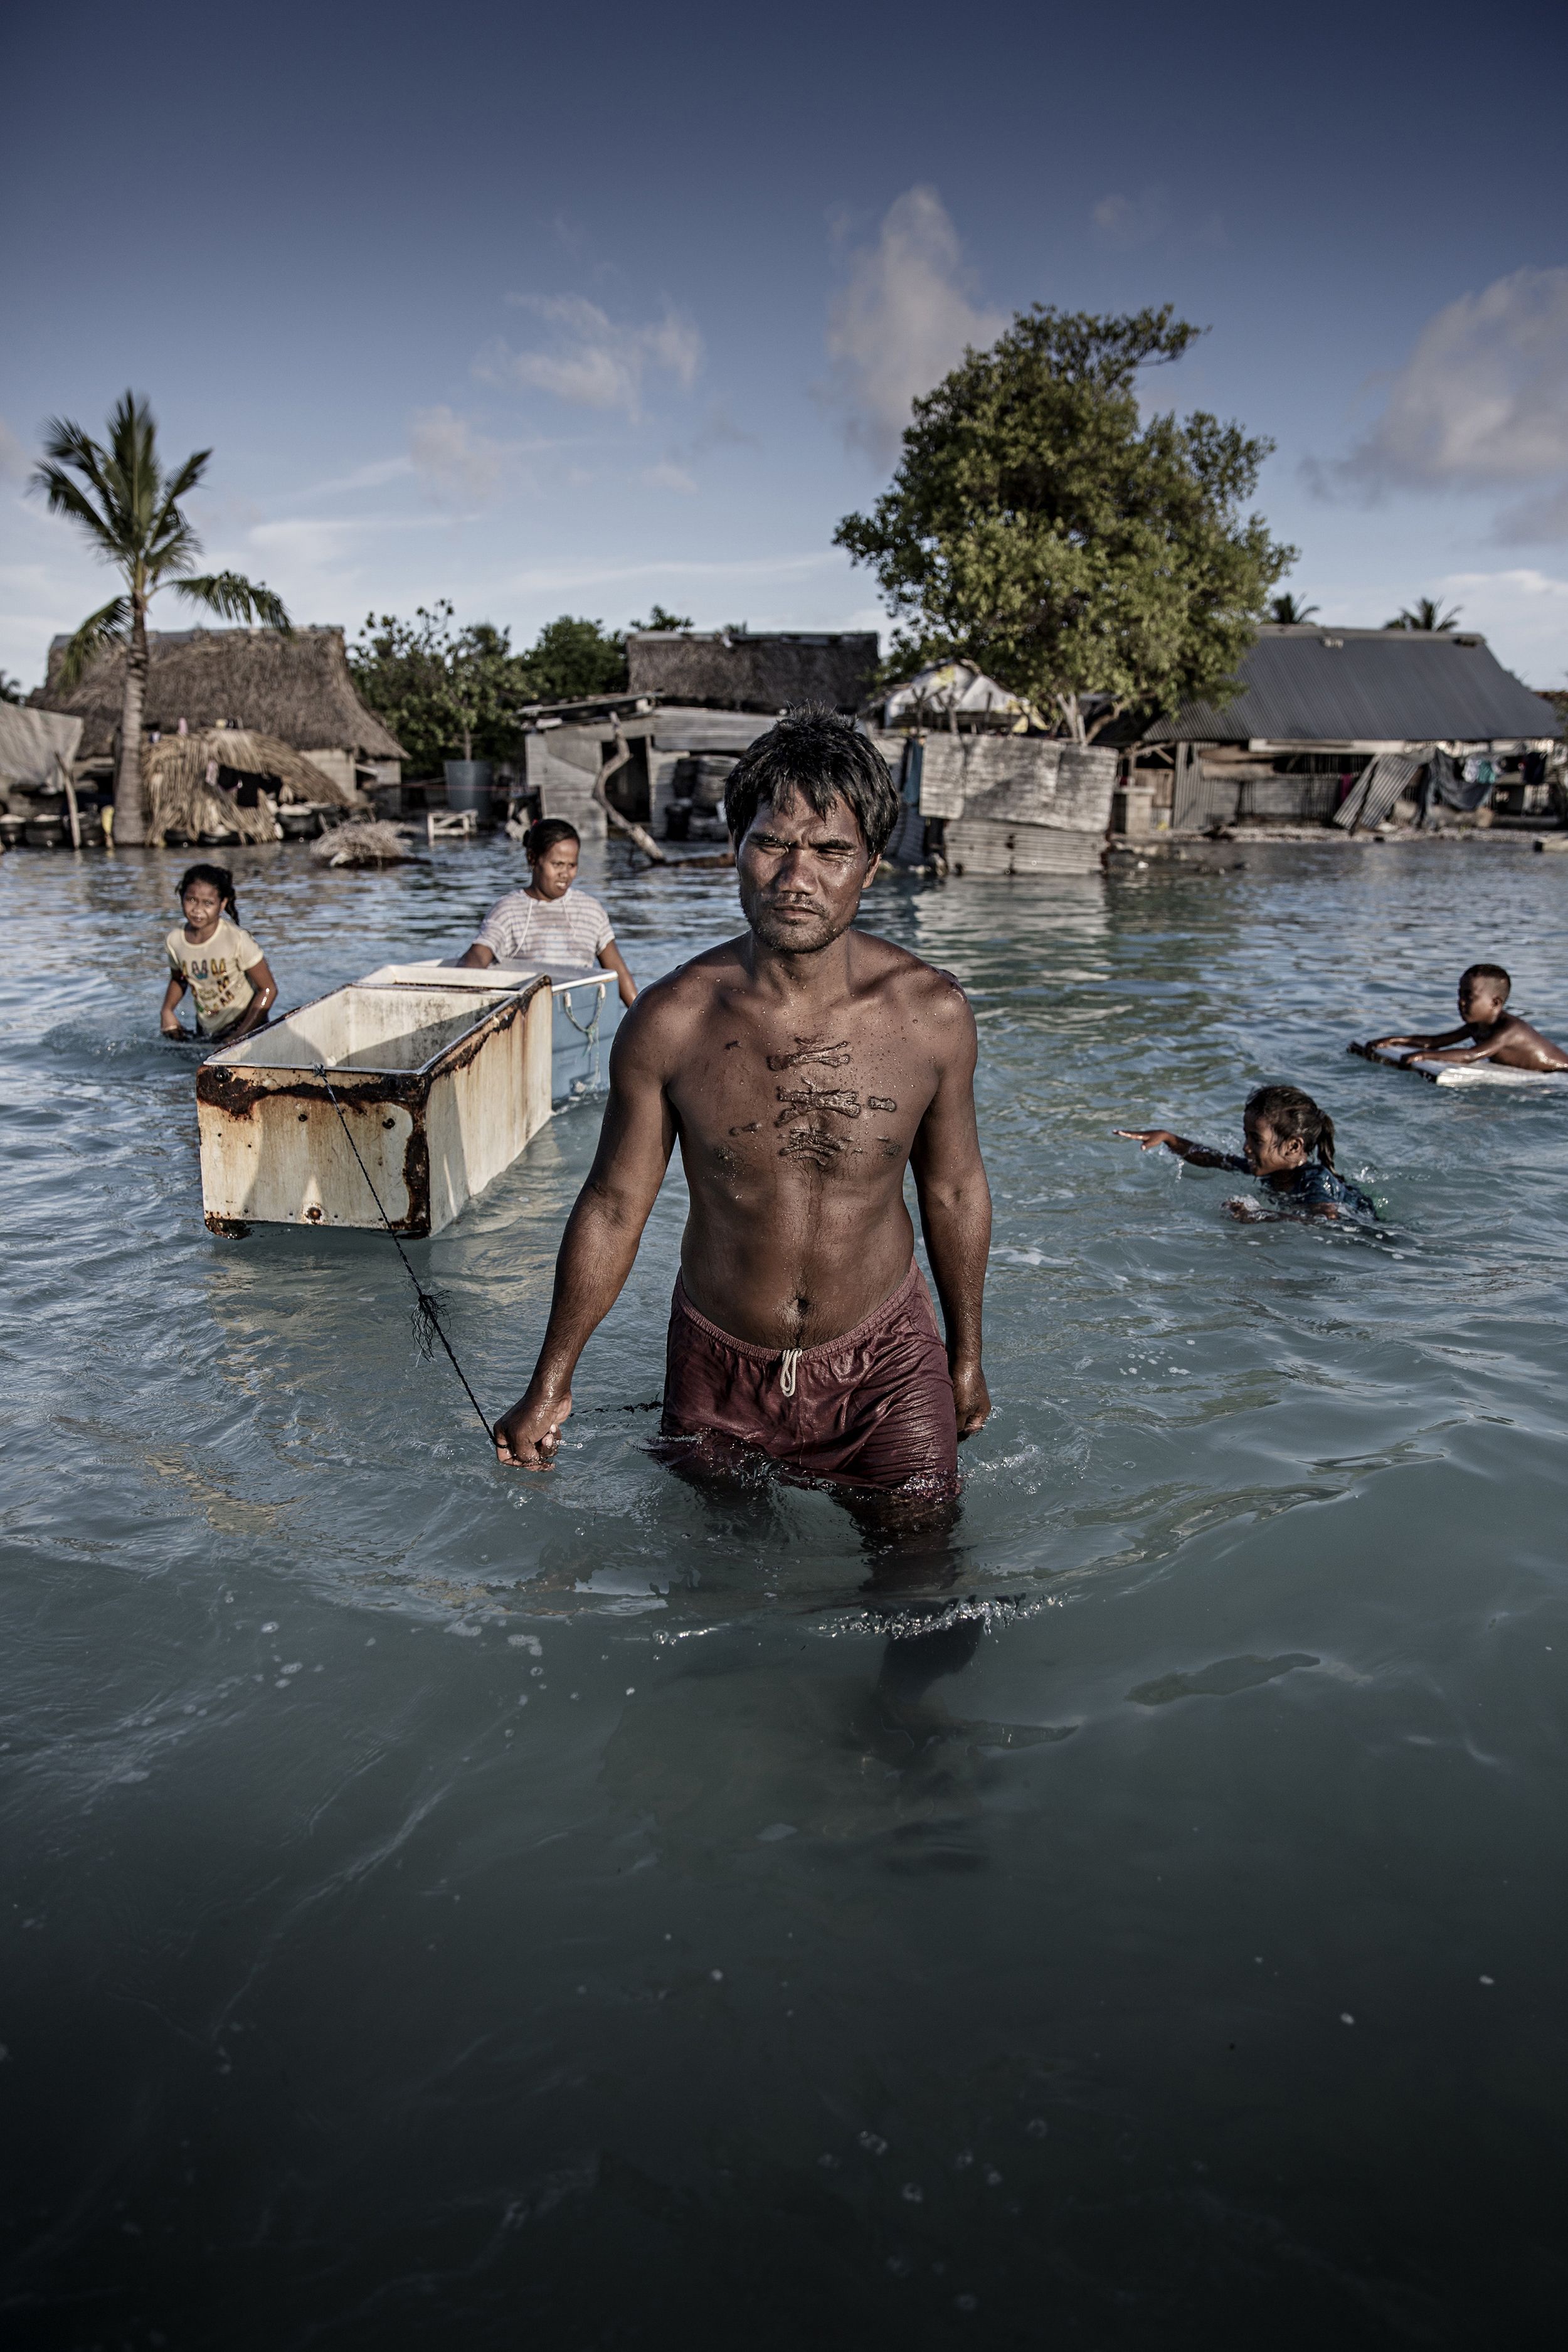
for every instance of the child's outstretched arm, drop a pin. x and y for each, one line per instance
(1414, 1044)
(169, 1021)
(1198, 1154)
(1449, 1048)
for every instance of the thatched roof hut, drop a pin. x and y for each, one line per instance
(734, 671)
(229, 780)
(296, 688)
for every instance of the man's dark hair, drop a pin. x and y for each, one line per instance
(822, 756)
(1487, 971)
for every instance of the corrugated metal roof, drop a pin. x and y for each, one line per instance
(1359, 686)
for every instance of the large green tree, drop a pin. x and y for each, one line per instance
(131, 511)
(441, 688)
(443, 691)
(572, 661)
(1040, 525)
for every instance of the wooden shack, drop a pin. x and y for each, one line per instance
(1001, 803)
(1319, 708)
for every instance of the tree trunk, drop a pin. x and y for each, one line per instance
(644, 841)
(468, 740)
(130, 818)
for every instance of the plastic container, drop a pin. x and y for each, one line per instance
(469, 786)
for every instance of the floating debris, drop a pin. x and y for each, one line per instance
(368, 842)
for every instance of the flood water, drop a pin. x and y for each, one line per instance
(444, 1908)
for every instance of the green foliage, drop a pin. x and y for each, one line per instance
(445, 692)
(1286, 609)
(1424, 613)
(11, 689)
(1037, 525)
(449, 693)
(129, 511)
(571, 661)
(659, 619)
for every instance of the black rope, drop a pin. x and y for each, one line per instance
(428, 1321)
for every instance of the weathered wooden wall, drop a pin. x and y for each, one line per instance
(1017, 803)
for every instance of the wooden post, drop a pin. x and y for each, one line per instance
(644, 841)
(72, 809)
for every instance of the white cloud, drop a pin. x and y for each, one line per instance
(1523, 614)
(15, 462)
(454, 462)
(594, 362)
(1480, 404)
(1127, 221)
(667, 476)
(369, 477)
(902, 320)
(327, 540)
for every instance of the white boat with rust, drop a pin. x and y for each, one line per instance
(401, 1095)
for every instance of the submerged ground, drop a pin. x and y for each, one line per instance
(448, 1909)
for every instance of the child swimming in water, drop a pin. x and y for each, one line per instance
(221, 965)
(1486, 1033)
(1282, 1126)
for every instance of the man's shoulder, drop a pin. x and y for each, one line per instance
(670, 1008)
(908, 978)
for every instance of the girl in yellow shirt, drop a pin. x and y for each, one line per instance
(221, 965)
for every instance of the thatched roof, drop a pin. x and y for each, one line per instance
(742, 672)
(296, 688)
(180, 801)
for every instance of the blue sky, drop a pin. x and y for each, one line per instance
(558, 310)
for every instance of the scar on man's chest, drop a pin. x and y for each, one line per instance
(816, 1144)
(811, 1049)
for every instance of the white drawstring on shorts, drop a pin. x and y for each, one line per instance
(787, 1363)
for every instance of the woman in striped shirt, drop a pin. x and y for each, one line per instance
(552, 926)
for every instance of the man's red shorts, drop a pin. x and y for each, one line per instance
(872, 1408)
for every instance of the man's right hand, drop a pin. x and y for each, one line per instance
(1151, 1137)
(527, 1437)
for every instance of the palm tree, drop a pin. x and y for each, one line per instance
(1424, 614)
(130, 509)
(1285, 608)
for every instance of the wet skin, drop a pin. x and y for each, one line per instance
(800, 1067)
(1271, 1157)
(1494, 1035)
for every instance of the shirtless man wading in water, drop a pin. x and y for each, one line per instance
(800, 1067)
